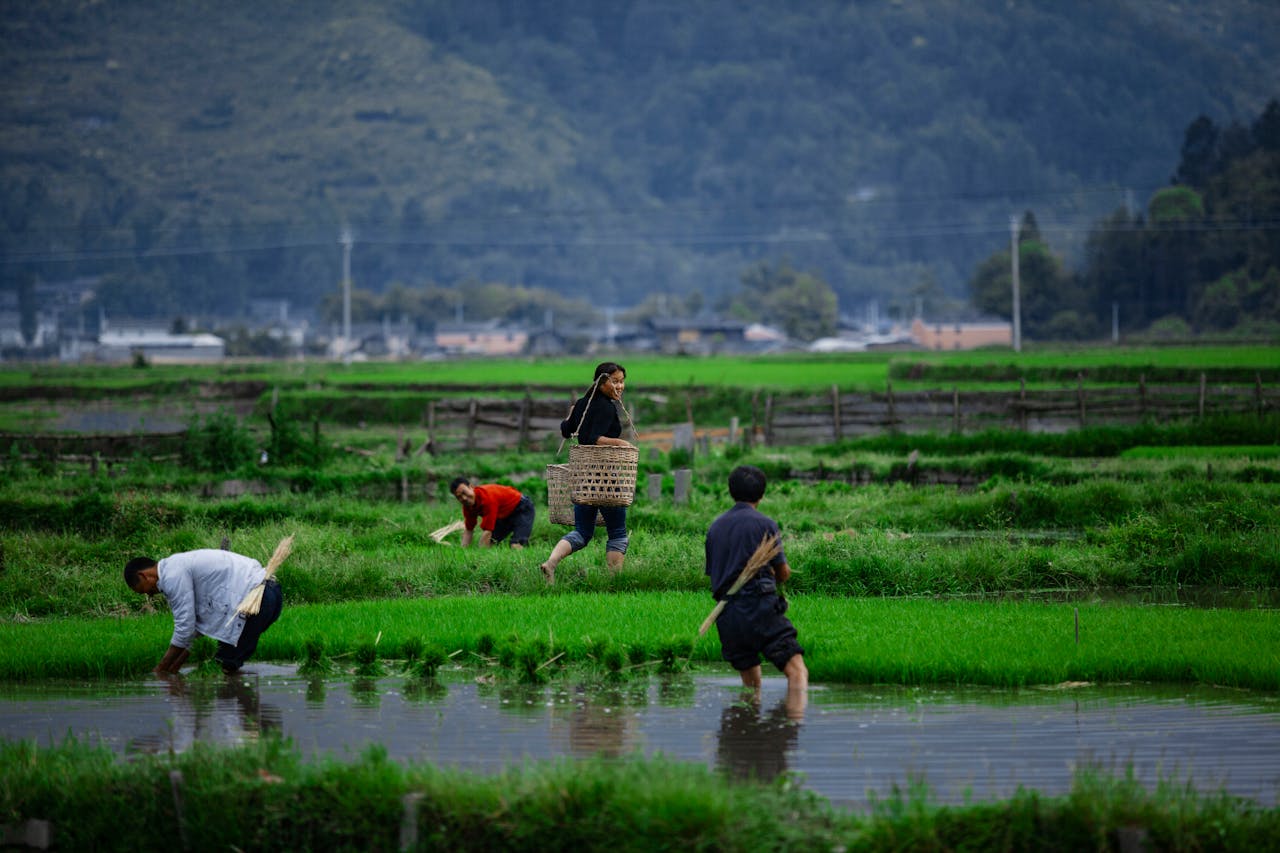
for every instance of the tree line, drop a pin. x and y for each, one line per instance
(1203, 257)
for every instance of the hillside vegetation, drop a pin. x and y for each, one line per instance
(199, 154)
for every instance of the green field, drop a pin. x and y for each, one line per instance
(989, 559)
(848, 371)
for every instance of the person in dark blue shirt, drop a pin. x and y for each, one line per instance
(753, 622)
(594, 419)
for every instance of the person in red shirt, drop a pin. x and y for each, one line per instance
(502, 511)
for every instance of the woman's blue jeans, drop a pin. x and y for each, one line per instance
(584, 527)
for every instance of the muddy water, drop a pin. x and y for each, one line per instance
(852, 743)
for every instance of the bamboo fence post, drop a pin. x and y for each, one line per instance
(1142, 396)
(755, 405)
(1080, 397)
(472, 412)
(1257, 391)
(836, 426)
(1201, 403)
(955, 409)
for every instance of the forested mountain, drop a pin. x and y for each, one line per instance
(200, 153)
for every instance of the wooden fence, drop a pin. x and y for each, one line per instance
(816, 419)
(480, 425)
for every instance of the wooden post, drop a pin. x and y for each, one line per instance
(955, 409)
(836, 427)
(1257, 391)
(404, 486)
(682, 437)
(175, 788)
(472, 411)
(409, 820)
(684, 479)
(526, 405)
(893, 408)
(755, 425)
(733, 430)
(431, 427)
(1201, 406)
(1022, 403)
(768, 420)
(1142, 396)
(399, 442)
(1080, 396)
(653, 483)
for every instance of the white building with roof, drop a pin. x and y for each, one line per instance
(159, 347)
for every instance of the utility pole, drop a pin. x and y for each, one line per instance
(1017, 297)
(346, 239)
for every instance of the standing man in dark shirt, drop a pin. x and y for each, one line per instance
(753, 622)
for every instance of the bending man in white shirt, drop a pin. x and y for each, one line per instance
(204, 589)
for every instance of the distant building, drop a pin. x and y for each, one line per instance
(698, 335)
(481, 339)
(961, 335)
(119, 345)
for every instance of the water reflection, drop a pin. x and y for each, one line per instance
(228, 710)
(755, 746)
(849, 743)
(600, 725)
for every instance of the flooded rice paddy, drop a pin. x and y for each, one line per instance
(850, 744)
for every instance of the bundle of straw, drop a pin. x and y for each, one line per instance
(439, 535)
(760, 557)
(253, 599)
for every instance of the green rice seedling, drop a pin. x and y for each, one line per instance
(614, 661)
(485, 645)
(673, 655)
(533, 661)
(508, 652)
(314, 661)
(428, 666)
(411, 650)
(367, 663)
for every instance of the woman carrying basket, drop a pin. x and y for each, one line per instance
(594, 418)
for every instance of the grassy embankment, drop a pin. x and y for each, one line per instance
(267, 797)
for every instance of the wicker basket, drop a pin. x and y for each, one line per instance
(603, 474)
(559, 506)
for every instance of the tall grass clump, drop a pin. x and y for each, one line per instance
(218, 442)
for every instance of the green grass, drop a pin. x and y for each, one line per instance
(796, 371)
(901, 641)
(1233, 453)
(265, 796)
